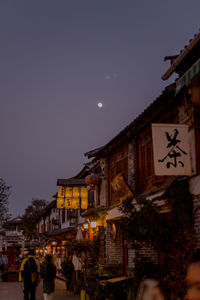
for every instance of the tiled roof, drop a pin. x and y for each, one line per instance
(61, 231)
(70, 182)
(17, 220)
(194, 45)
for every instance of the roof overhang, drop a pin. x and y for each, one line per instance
(71, 182)
(183, 55)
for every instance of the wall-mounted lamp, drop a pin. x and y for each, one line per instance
(85, 226)
(93, 224)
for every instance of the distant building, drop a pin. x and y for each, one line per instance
(12, 235)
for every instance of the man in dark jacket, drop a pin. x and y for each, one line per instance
(28, 267)
(48, 273)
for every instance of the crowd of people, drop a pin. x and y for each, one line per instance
(30, 272)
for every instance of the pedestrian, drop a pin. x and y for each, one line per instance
(29, 271)
(1, 263)
(48, 273)
(58, 264)
(193, 278)
(5, 261)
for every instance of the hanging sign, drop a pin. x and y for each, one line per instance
(75, 203)
(61, 192)
(121, 188)
(68, 203)
(60, 203)
(171, 149)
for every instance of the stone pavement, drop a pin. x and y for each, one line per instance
(14, 291)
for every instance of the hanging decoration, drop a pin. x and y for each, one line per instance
(60, 203)
(92, 180)
(72, 198)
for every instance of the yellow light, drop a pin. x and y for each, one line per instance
(93, 224)
(84, 203)
(84, 192)
(75, 203)
(60, 202)
(61, 192)
(75, 192)
(68, 203)
(68, 192)
(85, 225)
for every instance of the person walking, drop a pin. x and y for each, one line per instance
(29, 271)
(48, 273)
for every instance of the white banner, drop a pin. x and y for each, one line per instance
(171, 149)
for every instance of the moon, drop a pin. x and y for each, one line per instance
(100, 104)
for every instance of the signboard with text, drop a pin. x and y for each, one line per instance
(171, 149)
(121, 188)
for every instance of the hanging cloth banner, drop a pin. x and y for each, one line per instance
(171, 149)
(121, 188)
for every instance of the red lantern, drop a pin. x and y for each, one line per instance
(92, 180)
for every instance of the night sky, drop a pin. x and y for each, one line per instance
(58, 60)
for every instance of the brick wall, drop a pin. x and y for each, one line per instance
(114, 248)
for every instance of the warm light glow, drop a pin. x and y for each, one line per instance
(75, 203)
(61, 192)
(60, 202)
(85, 225)
(84, 192)
(93, 224)
(68, 192)
(75, 192)
(84, 203)
(68, 203)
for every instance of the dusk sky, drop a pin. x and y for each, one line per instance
(59, 58)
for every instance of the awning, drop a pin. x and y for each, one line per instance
(114, 214)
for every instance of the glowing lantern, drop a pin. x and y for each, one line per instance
(92, 180)
(84, 192)
(61, 192)
(60, 202)
(68, 192)
(75, 192)
(84, 203)
(68, 203)
(75, 203)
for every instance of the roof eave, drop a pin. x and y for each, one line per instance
(181, 57)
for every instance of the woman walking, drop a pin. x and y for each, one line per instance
(48, 273)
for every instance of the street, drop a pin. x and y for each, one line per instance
(14, 291)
